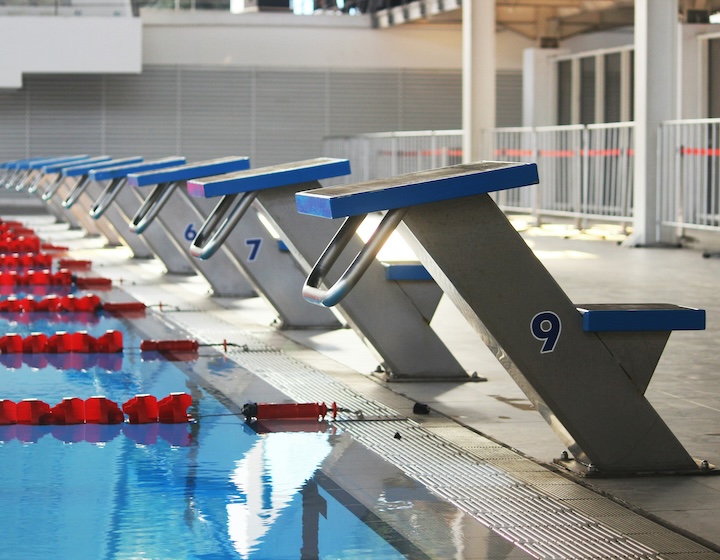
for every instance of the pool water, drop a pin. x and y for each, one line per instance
(211, 489)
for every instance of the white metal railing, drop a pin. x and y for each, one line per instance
(585, 171)
(74, 8)
(386, 154)
(689, 174)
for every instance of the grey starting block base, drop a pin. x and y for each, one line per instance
(392, 320)
(136, 243)
(589, 386)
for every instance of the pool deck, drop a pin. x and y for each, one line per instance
(685, 389)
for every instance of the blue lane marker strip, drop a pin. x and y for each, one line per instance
(190, 171)
(60, 167)
(124, 170)
(86, 168)
(282, 247)
(406, 272)
(421, 187)
(627, 318)
(270, 177)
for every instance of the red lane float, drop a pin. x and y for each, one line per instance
(141, 409)
(26, 260)
(19, 244)
(46, 277)
(69, 303)
(100, 410)
(62, 342)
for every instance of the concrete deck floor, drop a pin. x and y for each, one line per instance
(685, 389)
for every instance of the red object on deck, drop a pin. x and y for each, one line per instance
(71, 410)
(141, 409)
(96, 282)
(34, 411)
(169, 346)
(173, 408)
(8, 412)
(124, 307)
(100, 410)
(74, 264)
(271, 411)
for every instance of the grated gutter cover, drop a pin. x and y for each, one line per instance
(542, 513)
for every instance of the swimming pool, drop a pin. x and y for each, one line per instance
(214, 488)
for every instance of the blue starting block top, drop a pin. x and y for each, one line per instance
(124, 170)
(61, 166)
(39, 164)
(421, 187)
(189, 171)
(270, 177)
(641, 317)
(21, 163)
(86, 167)
(400, 271)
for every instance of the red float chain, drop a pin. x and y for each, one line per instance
(61, 342)
(47, 278)
(141, 409)
(20, 244)
(70, 303)
(26, 260)
(14, 229)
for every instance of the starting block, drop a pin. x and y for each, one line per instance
(182, 217)
(585, 370)
(394, 321)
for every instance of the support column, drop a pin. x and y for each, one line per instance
(656, 26)
(478, 75)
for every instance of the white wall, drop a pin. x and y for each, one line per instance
(72, 45)
(283, 40)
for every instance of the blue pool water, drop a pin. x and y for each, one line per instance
(212, 489)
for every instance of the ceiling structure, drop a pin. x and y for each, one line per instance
(543, 20)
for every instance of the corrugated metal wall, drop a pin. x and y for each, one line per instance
(271, 115)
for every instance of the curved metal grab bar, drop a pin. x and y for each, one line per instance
(52, 189)
(152, 205)
(76, 191)
(29, 178)
(19, 183)
(333, 295)
(106, 197)
(216, 230)
(36, 183)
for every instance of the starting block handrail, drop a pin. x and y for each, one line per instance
(84, 172)
(331, 296)
(165, 181)
(230, 210)
(62, 170)
(395, 195)
(218, 227)
(118, 178)
(151, 206)
(38, 166)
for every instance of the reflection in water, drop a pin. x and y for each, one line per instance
(267, 479)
